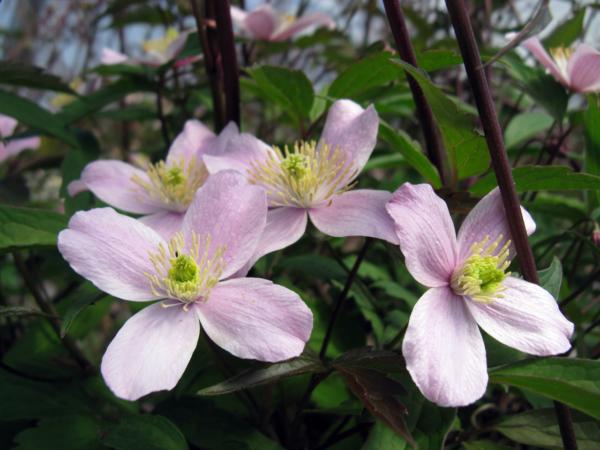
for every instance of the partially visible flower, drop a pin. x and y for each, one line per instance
(13, 147)
(578, 69)
(249, 317)
(163, 192)
(156, 51)
(266, 24)
(315, 179)
(469, 286)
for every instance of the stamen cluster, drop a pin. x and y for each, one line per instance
(303, 176)
(186, 275)
(482, 273)
(174, 184)
(561, 56)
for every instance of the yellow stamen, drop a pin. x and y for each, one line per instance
(561, 56)
(173, 184)
(303, 176)
(186, 274)
(160, 46)
(483, 272)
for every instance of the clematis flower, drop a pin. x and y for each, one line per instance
(314, 179)
(468, 286)
(163, 192)
(14, 146)
(577, 69)
(156, 51)
(266, 24)
(187, 277)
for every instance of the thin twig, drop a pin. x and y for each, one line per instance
(493, 134)
(53, 317)
(160, 112)
(431, 133)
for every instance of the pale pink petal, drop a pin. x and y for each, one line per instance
(261, 22)
(253, 318)
(112, 57)
(361, 212)
(165, 223)
(534, 45)
(444, 350)
(221, 143)
(238, 15)
(112, 251)
(75, 187)
(426, 233)
(7, 125)
(177, 46)
(187, 61)
(16, 146)
(487, 218)
(316, 19)
(241, 152)
(233, 213)
(526, 318)
(151, 351)
(113, 182)
(584, 69)
(284, 227)
(191, 142)
(352, 129)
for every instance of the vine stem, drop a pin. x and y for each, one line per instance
(231, 76)
(465, 36)
(431, 133)
(48, 309)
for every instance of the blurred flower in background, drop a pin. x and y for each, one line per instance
(13, 147)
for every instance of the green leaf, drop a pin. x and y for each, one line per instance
(318, 266)
(373, 71)
(76, 432)
(525, 126)
(551, 278)
(382, 437)
(432, 60)
(484, 445)
(464, 143)
(89, 104)
(84, 296)
(539, 428)
(34, 116)
(270, 374)
(290, 89)
(541, 87)
(145, 432)
(380, 395)
(409, 149)
(565, 34)
(21, 74)
(15, 311)
(591, 119)
(368, 358)
(542, 178)
(574, 382)
(24, 227)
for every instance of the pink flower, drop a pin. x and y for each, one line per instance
(14, 146)
(266, 24)
(314, 179)
(156, 51)
(163, 192)
(577, 69)
(188, 275)
(468, 284)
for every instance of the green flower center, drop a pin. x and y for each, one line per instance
(483, 272)
(174, 176)
(186, 274)
(295, 165)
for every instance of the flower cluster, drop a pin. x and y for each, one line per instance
(216, 204)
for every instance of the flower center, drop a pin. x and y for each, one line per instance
(186, 275)
(561, 56)
(483, 272)
(303, 176)
(175, 184)
(159, 46)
